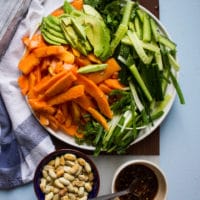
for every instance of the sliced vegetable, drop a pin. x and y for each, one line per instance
(71, 94)
(47, 82)
(138, 78)
(122, 29)
(113, 84)
(98, 117)
(92, 68)
(146, 28)
(167, 42)
(62, 84)
(173, 62)
(28, 63)
(178, 89)
(92, 89)
(46, 51)
(154, 29)
(112, 67)
(39, 106)
(138, 47)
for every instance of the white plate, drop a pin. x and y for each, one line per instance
(144, 132)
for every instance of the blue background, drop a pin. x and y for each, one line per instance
(180, 132)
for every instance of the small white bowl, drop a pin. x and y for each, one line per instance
(161, 193)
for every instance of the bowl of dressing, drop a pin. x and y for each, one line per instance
(150, 184)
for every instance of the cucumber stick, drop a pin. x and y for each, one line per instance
(123, 27)
(136, 97)
(154, 29)
(140, 14)
(166, 42)
(173, 62)
(138, 27)
(138, 47)
(158, 59)
(140, 81)
(146, 28)
(121, 31)
(146, 45)
(92, 68)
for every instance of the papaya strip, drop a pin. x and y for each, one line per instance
(114, 84)
(93, 90)
(34, 42)
(23, 83)
(41, 106)
(84, 102)
(32, 82)
(60, 85)
(71, 130)
(46, 83)
(37, 73)
(28, 63)
(105, 88)
(71, 94)
(68, 121)
(98, 117)
(57, 12)
(53, 122)
(93, 58)
(67, 57)
(65, 110)
(43, 120)
(45, 64)
(60, 116)
(75, 112)
(78, 4)
(46, 51)
(112, 67)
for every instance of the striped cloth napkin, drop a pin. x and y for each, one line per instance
(23, 142)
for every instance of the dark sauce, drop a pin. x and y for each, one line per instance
(146, 185)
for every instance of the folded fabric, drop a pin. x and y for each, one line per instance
(23, 141)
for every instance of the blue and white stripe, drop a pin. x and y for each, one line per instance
(23, 142)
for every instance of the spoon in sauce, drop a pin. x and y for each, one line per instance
(130, 189)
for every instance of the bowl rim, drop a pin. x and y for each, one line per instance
(59, 152)
(147, 163)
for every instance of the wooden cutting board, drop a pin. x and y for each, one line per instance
(150, 145)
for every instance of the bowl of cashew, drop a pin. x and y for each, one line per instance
(66, 174)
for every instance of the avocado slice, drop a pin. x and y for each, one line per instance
(87, 32)
(98, 36)
(78, 28)
(89, 10)
(72, 36)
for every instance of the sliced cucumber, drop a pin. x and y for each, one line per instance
(92, 68)
(173, 62)
(138, 27)
(138, 47)
(166, 42)
(154, 29)
(140, 81)
(146, 28)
